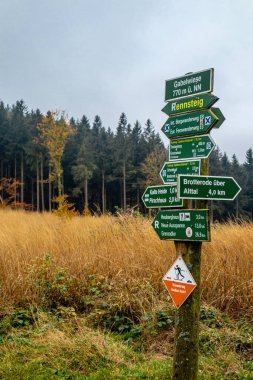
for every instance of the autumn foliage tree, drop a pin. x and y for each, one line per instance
(54, 130)
(152, 166)
(8, 193)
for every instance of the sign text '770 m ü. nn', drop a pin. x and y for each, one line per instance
(190, 84)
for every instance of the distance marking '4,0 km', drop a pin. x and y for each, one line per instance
(207, 187)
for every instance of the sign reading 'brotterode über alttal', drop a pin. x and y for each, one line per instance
(187, 85)
(207, 187)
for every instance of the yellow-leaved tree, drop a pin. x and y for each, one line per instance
(54, 130)
(152, 166)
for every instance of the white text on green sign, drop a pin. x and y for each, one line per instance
(161, 196)
(190, 84)
(182, 225)
(207, 187)
(191, 147)
(170, 170)
(189, 124)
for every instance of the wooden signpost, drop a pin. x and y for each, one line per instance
(191, 117)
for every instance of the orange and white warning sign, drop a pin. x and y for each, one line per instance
(179, 282)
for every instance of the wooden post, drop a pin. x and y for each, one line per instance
(185, 362)
(186, 346)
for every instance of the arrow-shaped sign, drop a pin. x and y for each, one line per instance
(182, 225)
(193, 103)
(210, 187)
(170, 170)
(161, 196)
(191, 147)
(193, 123)
(219, 115)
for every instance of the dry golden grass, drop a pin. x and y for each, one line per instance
(126, 251)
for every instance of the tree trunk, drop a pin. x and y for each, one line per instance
(15, 178)
(103, 192)
(138, 198)
(86, 204)
(38, 186)
(49, 190)
(2, 175)
(42, 185)
(32, 193)
(59, 185)
(22, 178)
(124, 186)
(121, 193)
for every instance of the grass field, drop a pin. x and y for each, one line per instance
(83, 298)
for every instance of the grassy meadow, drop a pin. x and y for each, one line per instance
(84, 299)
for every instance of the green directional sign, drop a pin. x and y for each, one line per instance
(161, 196)
(191, 147)
(188, 85)
(217, 112)
(182, 225)
(210, 187)
(189, 124)
(170, 170)
(194, 103)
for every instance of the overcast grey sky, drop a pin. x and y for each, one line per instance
(110, 56)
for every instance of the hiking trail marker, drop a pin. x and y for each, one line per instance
(170, 170)
(191, 147)
(161, 196)
(190, 124)
(194, 103)
(207, 187)
(192, 225)
(179, 282)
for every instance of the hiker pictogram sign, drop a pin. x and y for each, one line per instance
(179, 282)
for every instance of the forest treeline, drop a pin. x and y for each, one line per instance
(102, 169)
